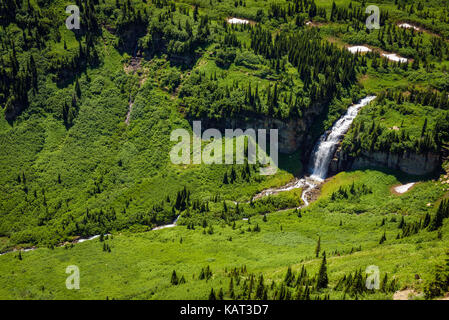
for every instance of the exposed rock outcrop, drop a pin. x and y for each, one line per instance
(293, 133)
(411, 163)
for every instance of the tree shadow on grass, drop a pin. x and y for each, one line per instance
(402, 177)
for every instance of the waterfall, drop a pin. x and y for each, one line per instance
(328, 142)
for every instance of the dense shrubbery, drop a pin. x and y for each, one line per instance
(369, 134)
(70, 165)
(439, 285)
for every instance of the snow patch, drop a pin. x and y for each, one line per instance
(407, 26)
(394, 57)
(404, 188)
(237, 21)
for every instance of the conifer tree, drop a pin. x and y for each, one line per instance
(383, 238)
(212, 294)
(174, 278)
(322, 280)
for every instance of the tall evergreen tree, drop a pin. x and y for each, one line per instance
(322, 279)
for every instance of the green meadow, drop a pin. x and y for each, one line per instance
(85, 125)
(139, 265)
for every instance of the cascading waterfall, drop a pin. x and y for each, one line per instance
(322, 155)
(319, 164)
(326, 146)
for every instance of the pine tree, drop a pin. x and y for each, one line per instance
(212, 294)
(442, 213)
(225, 178)
(383, 238)
(401, 223)
(424, 128)
(260, 289)
(174, 278)
(322, 280)
(195, 13)
(77, 88)
(289, 276)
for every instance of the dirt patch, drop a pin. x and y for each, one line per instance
(133, 66)
(407, 294)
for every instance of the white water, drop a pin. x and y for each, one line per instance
(322, 155)
(304, 183)
(81, 240)
(326, 146)
(323, 152)
(171, 225)
(88, 239)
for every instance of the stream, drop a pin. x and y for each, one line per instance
(322, 155)
(319, 164)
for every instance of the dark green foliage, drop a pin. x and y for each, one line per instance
(351, 192)
(212, 294)
(370, 135)
(206, 273)
(174, 278)
(383, 238)
(355, 284)
(322, 279)
(441, 214)
(440, 284)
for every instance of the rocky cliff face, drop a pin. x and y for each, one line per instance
(411, 163)
(293, 133)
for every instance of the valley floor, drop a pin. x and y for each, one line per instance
(140, 266)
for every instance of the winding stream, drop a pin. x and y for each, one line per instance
(319, 163)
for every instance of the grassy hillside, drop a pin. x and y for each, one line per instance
(140, 265)
(85, 124)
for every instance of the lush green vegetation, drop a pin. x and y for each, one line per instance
(140, 265)
(398, 123)
(85, 141)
